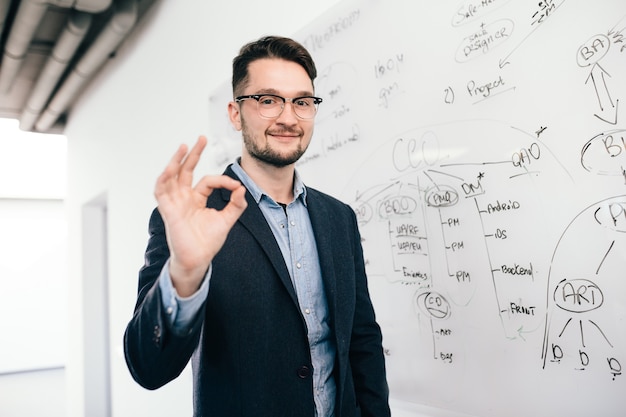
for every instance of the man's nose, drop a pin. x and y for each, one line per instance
(288, 115)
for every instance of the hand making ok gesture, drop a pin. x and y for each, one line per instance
(195, 233)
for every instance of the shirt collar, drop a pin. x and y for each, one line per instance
(299, 189)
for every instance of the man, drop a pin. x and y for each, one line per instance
(257, 279)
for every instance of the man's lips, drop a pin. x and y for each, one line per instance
(284, 135)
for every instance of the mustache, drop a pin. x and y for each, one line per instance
(284, 131)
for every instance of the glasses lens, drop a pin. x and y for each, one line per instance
(270, 106)
(305, 107)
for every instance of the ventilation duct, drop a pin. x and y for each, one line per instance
(26, 22)
(73, 34)
(41, 90)
(122, 21)
(4, 9)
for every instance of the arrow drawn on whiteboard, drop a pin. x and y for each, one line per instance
(373, 191)
(597, 77)
(548, 7)
(597, 69)
(604, 257)
(616, 35)
(521, 332)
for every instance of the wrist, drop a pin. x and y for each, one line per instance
(186, 281)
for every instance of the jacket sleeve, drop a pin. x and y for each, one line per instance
(367, 360)
(154, 352)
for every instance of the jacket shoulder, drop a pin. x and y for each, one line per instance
(321, 197)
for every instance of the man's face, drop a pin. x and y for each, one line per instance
(282, 140)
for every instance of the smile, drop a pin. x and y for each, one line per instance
(284, 136)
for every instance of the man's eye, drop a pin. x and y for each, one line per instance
(268, 101)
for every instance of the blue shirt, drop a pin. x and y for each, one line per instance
(293, 232)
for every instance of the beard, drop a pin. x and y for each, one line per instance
(268, 155)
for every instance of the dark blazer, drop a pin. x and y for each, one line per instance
(248, 344)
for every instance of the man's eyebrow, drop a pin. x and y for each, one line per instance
(275, 92)
(267, 91)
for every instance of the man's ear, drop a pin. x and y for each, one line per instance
(234, 114)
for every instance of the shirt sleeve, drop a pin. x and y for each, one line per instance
(181, 310)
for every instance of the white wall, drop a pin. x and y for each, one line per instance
(33, 394)
(153, 97)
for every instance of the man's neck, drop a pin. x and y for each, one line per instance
(276, 181)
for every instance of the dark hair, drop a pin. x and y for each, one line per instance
(270, 47)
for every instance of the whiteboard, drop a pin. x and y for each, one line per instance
(482, 145)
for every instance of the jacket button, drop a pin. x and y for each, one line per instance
(304, 372)
(157, 335)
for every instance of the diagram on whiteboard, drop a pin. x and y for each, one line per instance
(461, 226)
(580, 293)
(482, 147)
(583, 283)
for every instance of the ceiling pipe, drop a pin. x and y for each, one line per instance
(26, 21)
(73, 34)
(25, 24)
(116, 30)
(4, 10)
(88, 6)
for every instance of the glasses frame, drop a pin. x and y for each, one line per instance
(257, 97)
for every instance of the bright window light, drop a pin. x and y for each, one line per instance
(33, 240)
(32, 165)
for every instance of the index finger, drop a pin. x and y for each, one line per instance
(209, 183)
(172, 168)
(185, 175)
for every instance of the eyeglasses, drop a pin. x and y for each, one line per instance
(271, 106)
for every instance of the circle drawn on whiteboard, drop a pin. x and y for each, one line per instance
(593, 50)
(578, 295)
(433, 304)
(605, 153)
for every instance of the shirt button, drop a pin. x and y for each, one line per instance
(298, 265)
(307, 311)
(292, 223)
(170, 310)
(304, 372)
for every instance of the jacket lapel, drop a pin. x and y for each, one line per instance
(322, 229)
(253, 220)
